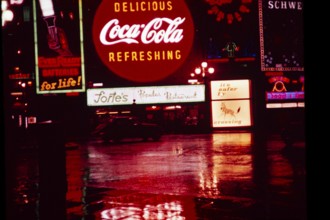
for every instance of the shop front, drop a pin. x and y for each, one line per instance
(178, 108)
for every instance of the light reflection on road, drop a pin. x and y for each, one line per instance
(198, 166)
(194, 166)
(168, 210)
(179, 177)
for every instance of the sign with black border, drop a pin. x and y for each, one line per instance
(281, 35)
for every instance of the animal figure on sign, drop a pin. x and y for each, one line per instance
(228, 111)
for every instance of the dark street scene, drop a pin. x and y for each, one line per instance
(154, 110)
(197, 176)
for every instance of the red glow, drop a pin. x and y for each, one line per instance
(152, 37)
(243, 59)
(276, 73)
(219, 60)
(152, 108)
(72, 94)
(221, 10)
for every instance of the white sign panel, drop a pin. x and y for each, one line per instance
(145, 95)
(230, 89)
(233, 113)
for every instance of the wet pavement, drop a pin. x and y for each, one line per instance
(227, 175)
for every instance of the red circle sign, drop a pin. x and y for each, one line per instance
(143, 41)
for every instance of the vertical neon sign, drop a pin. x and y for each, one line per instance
(59, 57)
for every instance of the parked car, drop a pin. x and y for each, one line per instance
(118, 128)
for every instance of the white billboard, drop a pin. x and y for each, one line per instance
(145, 95)
(230, 89)
(231, 113)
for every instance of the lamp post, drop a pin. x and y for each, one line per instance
(201, 72)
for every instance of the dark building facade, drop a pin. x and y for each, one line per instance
(240, 39)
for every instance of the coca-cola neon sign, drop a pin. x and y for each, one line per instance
(143, 41)
(149, 34)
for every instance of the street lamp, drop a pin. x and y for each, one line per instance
(201, 71)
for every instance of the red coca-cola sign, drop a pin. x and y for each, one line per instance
(143, 41)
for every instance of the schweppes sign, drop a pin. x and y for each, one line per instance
(143, 41)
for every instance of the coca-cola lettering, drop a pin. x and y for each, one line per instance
(143, 41)
(110, 98)
(125, 34)
(112, 33)
(121, 56)
(143, 6)
(170, 35)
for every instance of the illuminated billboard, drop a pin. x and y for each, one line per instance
(281, 35)
(58, 46)
(145, 95)
(143, 41)
(231, 103)
(230, 89)
(285, 90)
(231, 113)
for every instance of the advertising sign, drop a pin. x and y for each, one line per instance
(285, 90)
(143, 41)
(231, 113)
(145, 95)
(230, 89)
(281, 35)
(231, 103)
(59, 50)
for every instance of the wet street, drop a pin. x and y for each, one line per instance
(228, 175)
